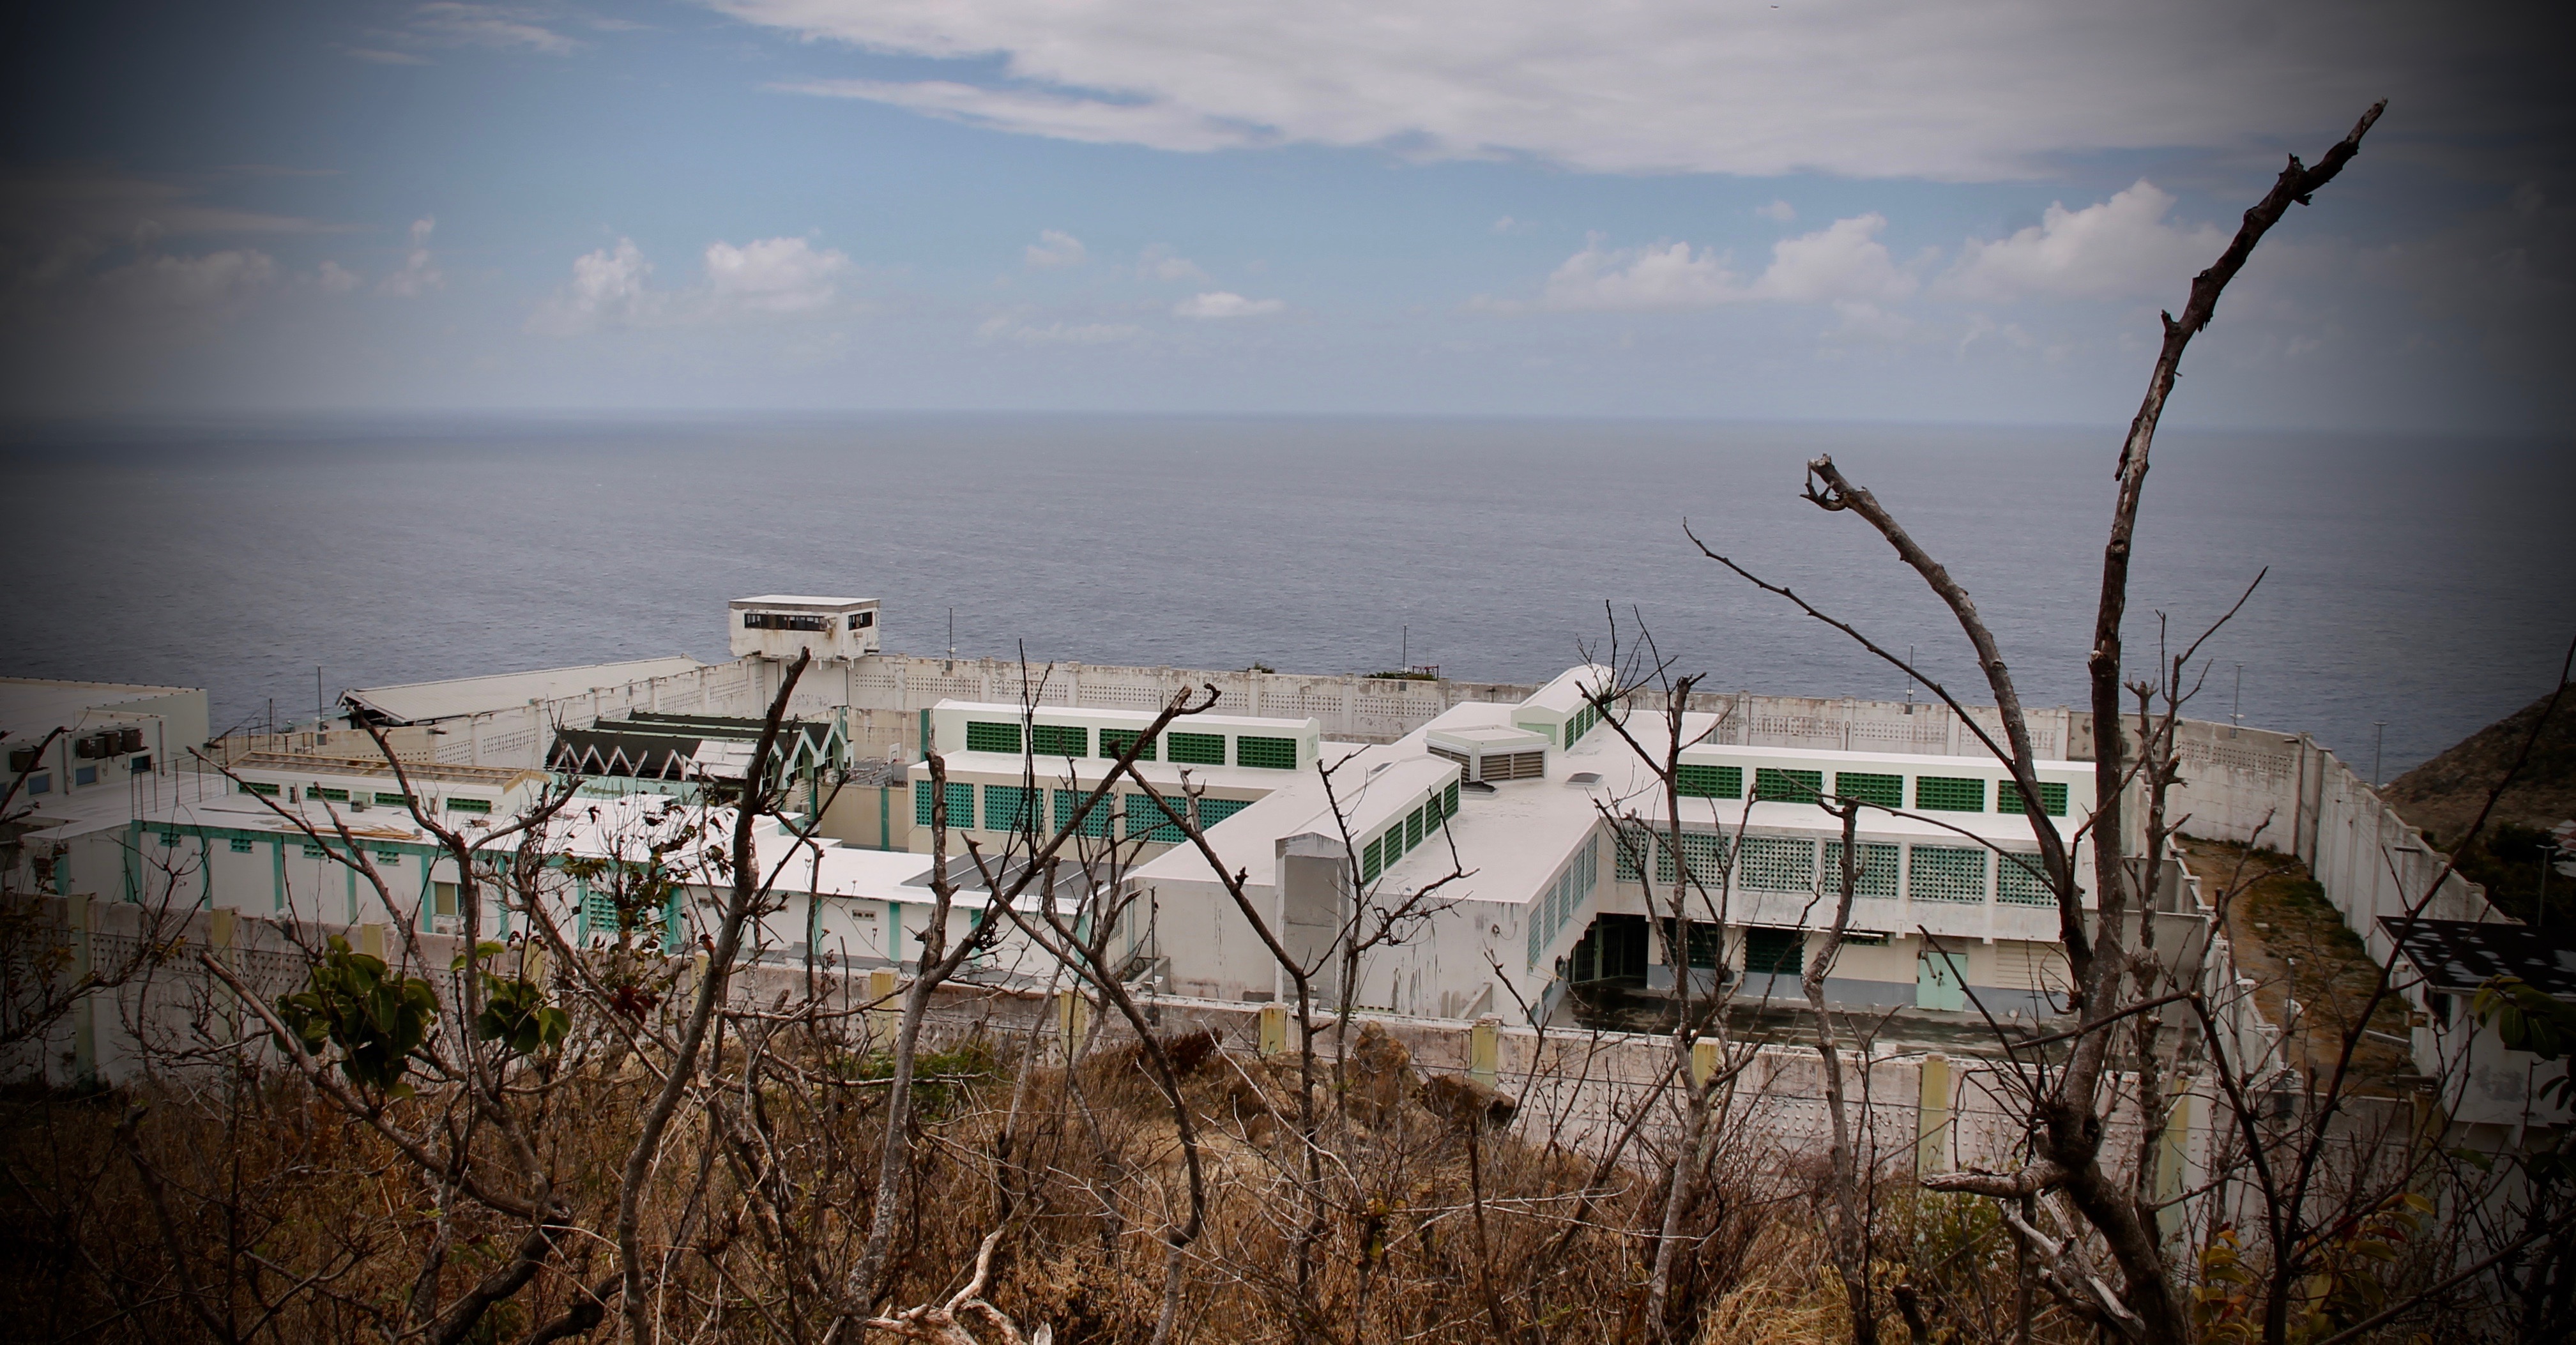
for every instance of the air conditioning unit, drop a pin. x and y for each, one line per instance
(25, 759)
(129, 740)
(1488, 755)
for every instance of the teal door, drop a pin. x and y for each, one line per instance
(1941, 981)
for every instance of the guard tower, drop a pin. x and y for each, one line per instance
(778, 625)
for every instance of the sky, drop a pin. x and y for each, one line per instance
(1813, 210)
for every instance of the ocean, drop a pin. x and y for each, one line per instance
(2425, 584)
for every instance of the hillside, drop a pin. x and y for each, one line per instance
(2443, 795)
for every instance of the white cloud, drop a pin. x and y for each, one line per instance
(2119, 249)
(1508, 225)
(333, 278)
(1158, 263)
(1055, 249)
(607, 289)
(775, 275)
(1778, 212)
(1005, 328)
(1225, 304)
(1843, 261)
(1979, 89)
(190, 284)
(417, 276)
(496, 26)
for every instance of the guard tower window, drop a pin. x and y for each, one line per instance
(784, 621)
(862, 620)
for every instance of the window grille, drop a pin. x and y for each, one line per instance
(1275, 754)
(1115, 742)
(1633, 845)
(1213, 811)
(312, 851)
(1067, 801)
(1369, 868)
(961, 806)
(241, 845)
(1772, 785)
(1005, 807)
(1709, 782)
(1157, 820)
(598, 914)
(1878, 867)
(2052, 798)
(1515, 766)
(1059, 740)
(1535, 934)
(389, 856)
(469, 805)
(1945, 873)
(259, 787)
(921, 805)
(385, 800)
(1887, 791)
(1196, 749)
(1781, 952)
(1703, 851)
(1947, 794)
(1413, 829)
(331, 795)
(1778, 864)
(2022, 880)
(1449, 800)
(987, 736)
(1707, 941)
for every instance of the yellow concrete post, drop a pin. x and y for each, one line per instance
(1703, 1062)
(1072, 1022)
(1932, 1117)
(1274, 1028)
(1484, 1051)
(886, 1019)
(220, 936)
(2173, 1158)
(371, 941)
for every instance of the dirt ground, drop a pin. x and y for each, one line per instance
(2295, 945)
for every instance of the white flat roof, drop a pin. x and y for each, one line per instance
(799, 600)
(421, 702)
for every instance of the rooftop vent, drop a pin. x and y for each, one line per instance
(1485, 755)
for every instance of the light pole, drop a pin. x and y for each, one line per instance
(2236, 711)
(2378, 736)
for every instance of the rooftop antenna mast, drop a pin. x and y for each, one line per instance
(2236, 711)
(951, 665)
(2378, 736)
(1909, 679)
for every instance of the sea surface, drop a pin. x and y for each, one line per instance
(2423, 584)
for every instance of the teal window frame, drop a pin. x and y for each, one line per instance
(1194, 749)
(2052, 797)
(1949, 794)
(1269, 754)
(241, 845)
(1113, 743)
(1067, 801)
(1695, 781)
(1213, 811)
(1158, 821)
(1777, 784)
(1887, 791)
(385, 799)
(1006, 805)
(1059, 740)
(462, 805)
(2022, 880)
(986, 735)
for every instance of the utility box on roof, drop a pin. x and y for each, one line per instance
(781, 624)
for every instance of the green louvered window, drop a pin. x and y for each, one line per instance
(1949, 794)
(1059, 740)
(1156, 819)
(1370, 863)
(984, 735)
(961, 806)
(1887, 791)
(1878, 868)
(1270, 754)
(384, 800)
(598, 914)
(1006, 807)
(1633, 844)
(1413, 829)
(469, 805)
(241, 845)
(2052, 798)
(1213, 811)
(1115, 742)
(1707, 941)
(1945, 873)
(1068, 801)
(1449, 800)
(1709, 782)
(1780, 952)
(260, 787)
(1196, 749)
(332, 795)
(2022, 880)
(1773, 785)
(1778, 864)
